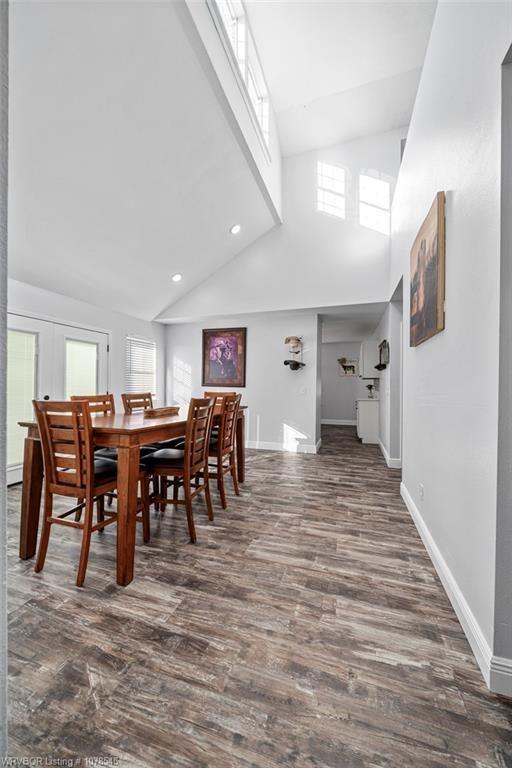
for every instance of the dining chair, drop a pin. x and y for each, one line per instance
(133, 402)
(71, 469)
(188, 463)
(222, 446)
(103, 404)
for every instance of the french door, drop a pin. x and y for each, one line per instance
(48, 361)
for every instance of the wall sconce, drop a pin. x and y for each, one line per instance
(295, 349)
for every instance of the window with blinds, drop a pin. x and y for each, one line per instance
(140, 365)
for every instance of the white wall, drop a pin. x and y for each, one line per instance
(4, 85)
(339, 394)
(33, 301)
(451, 381)
(313, 259)
(282, 403)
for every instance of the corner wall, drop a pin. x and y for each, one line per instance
(4, 91)
(451, 381)
(282, 404)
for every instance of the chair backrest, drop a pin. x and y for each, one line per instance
(197, 437)
(228, 417)
(98, 403)
(137, 402)
(218, 396)
(66, 438)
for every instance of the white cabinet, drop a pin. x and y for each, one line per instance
(368, 359)
(368, 420)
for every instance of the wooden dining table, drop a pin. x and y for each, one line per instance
(126, 433)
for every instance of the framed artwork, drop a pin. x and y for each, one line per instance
(224, 352)
(348, 367)
(428, 275)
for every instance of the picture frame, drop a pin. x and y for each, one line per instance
(427, 276)
(224, 357)
(348, 368)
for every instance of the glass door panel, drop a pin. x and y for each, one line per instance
(21, 389)
(81, 368)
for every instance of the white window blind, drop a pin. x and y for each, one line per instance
(140, 365)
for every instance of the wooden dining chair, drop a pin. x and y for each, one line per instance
(222, 446)
(133, 402)
(103, 404)
(71, 469)
(187, 464)
(219, 396)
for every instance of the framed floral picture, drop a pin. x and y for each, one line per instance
(224, 355)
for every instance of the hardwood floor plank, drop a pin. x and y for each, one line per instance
(307, 628)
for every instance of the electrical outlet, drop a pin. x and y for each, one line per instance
(422, 490)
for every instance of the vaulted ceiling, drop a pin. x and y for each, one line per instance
(339, 70)
(123, 167)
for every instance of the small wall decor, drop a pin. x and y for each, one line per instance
(428, 275)
(383, 356)
(294, 349)
(348, 367)
(224, 357)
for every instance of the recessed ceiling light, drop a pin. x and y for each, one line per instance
(177, 277)
(235, 229)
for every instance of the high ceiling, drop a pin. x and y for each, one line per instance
(123, 167)
(337, 70)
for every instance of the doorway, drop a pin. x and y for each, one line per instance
(51, 361)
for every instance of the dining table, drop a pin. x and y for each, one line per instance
(127, 433)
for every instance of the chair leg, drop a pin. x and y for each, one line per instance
(156, 491)
(190, 515)
(86, 542)
(78, 513)
(220, 483)
(100, 511)
(207, 494)
(146, 533)
(163, 492)
(45, 533)
(110, 499)
(175, 489)
(234, 476)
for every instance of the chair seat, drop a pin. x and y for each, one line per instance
(176, 442)
(166, 457)
(104, 470)
(111, 453)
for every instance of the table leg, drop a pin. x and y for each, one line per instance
(240, 448)
(127, 481)
(30, 496)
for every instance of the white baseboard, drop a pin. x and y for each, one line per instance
(497, 671)
(262, 445)
(500, 679)
(392, 463)
(340, 422)
(318, 444)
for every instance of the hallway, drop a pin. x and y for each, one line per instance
(306, 628)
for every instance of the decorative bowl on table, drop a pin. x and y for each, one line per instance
(158, 413)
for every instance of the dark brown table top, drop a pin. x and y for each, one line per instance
(129, 424)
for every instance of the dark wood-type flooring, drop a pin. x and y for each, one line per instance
(306, 628)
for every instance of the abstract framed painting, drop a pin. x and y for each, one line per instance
(224, 355)
(428, 275)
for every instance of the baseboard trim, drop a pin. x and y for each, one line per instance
(470, 626)
(318, 444)
(340, 422)
(392, 463)
(261, 445)
(501, 676)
